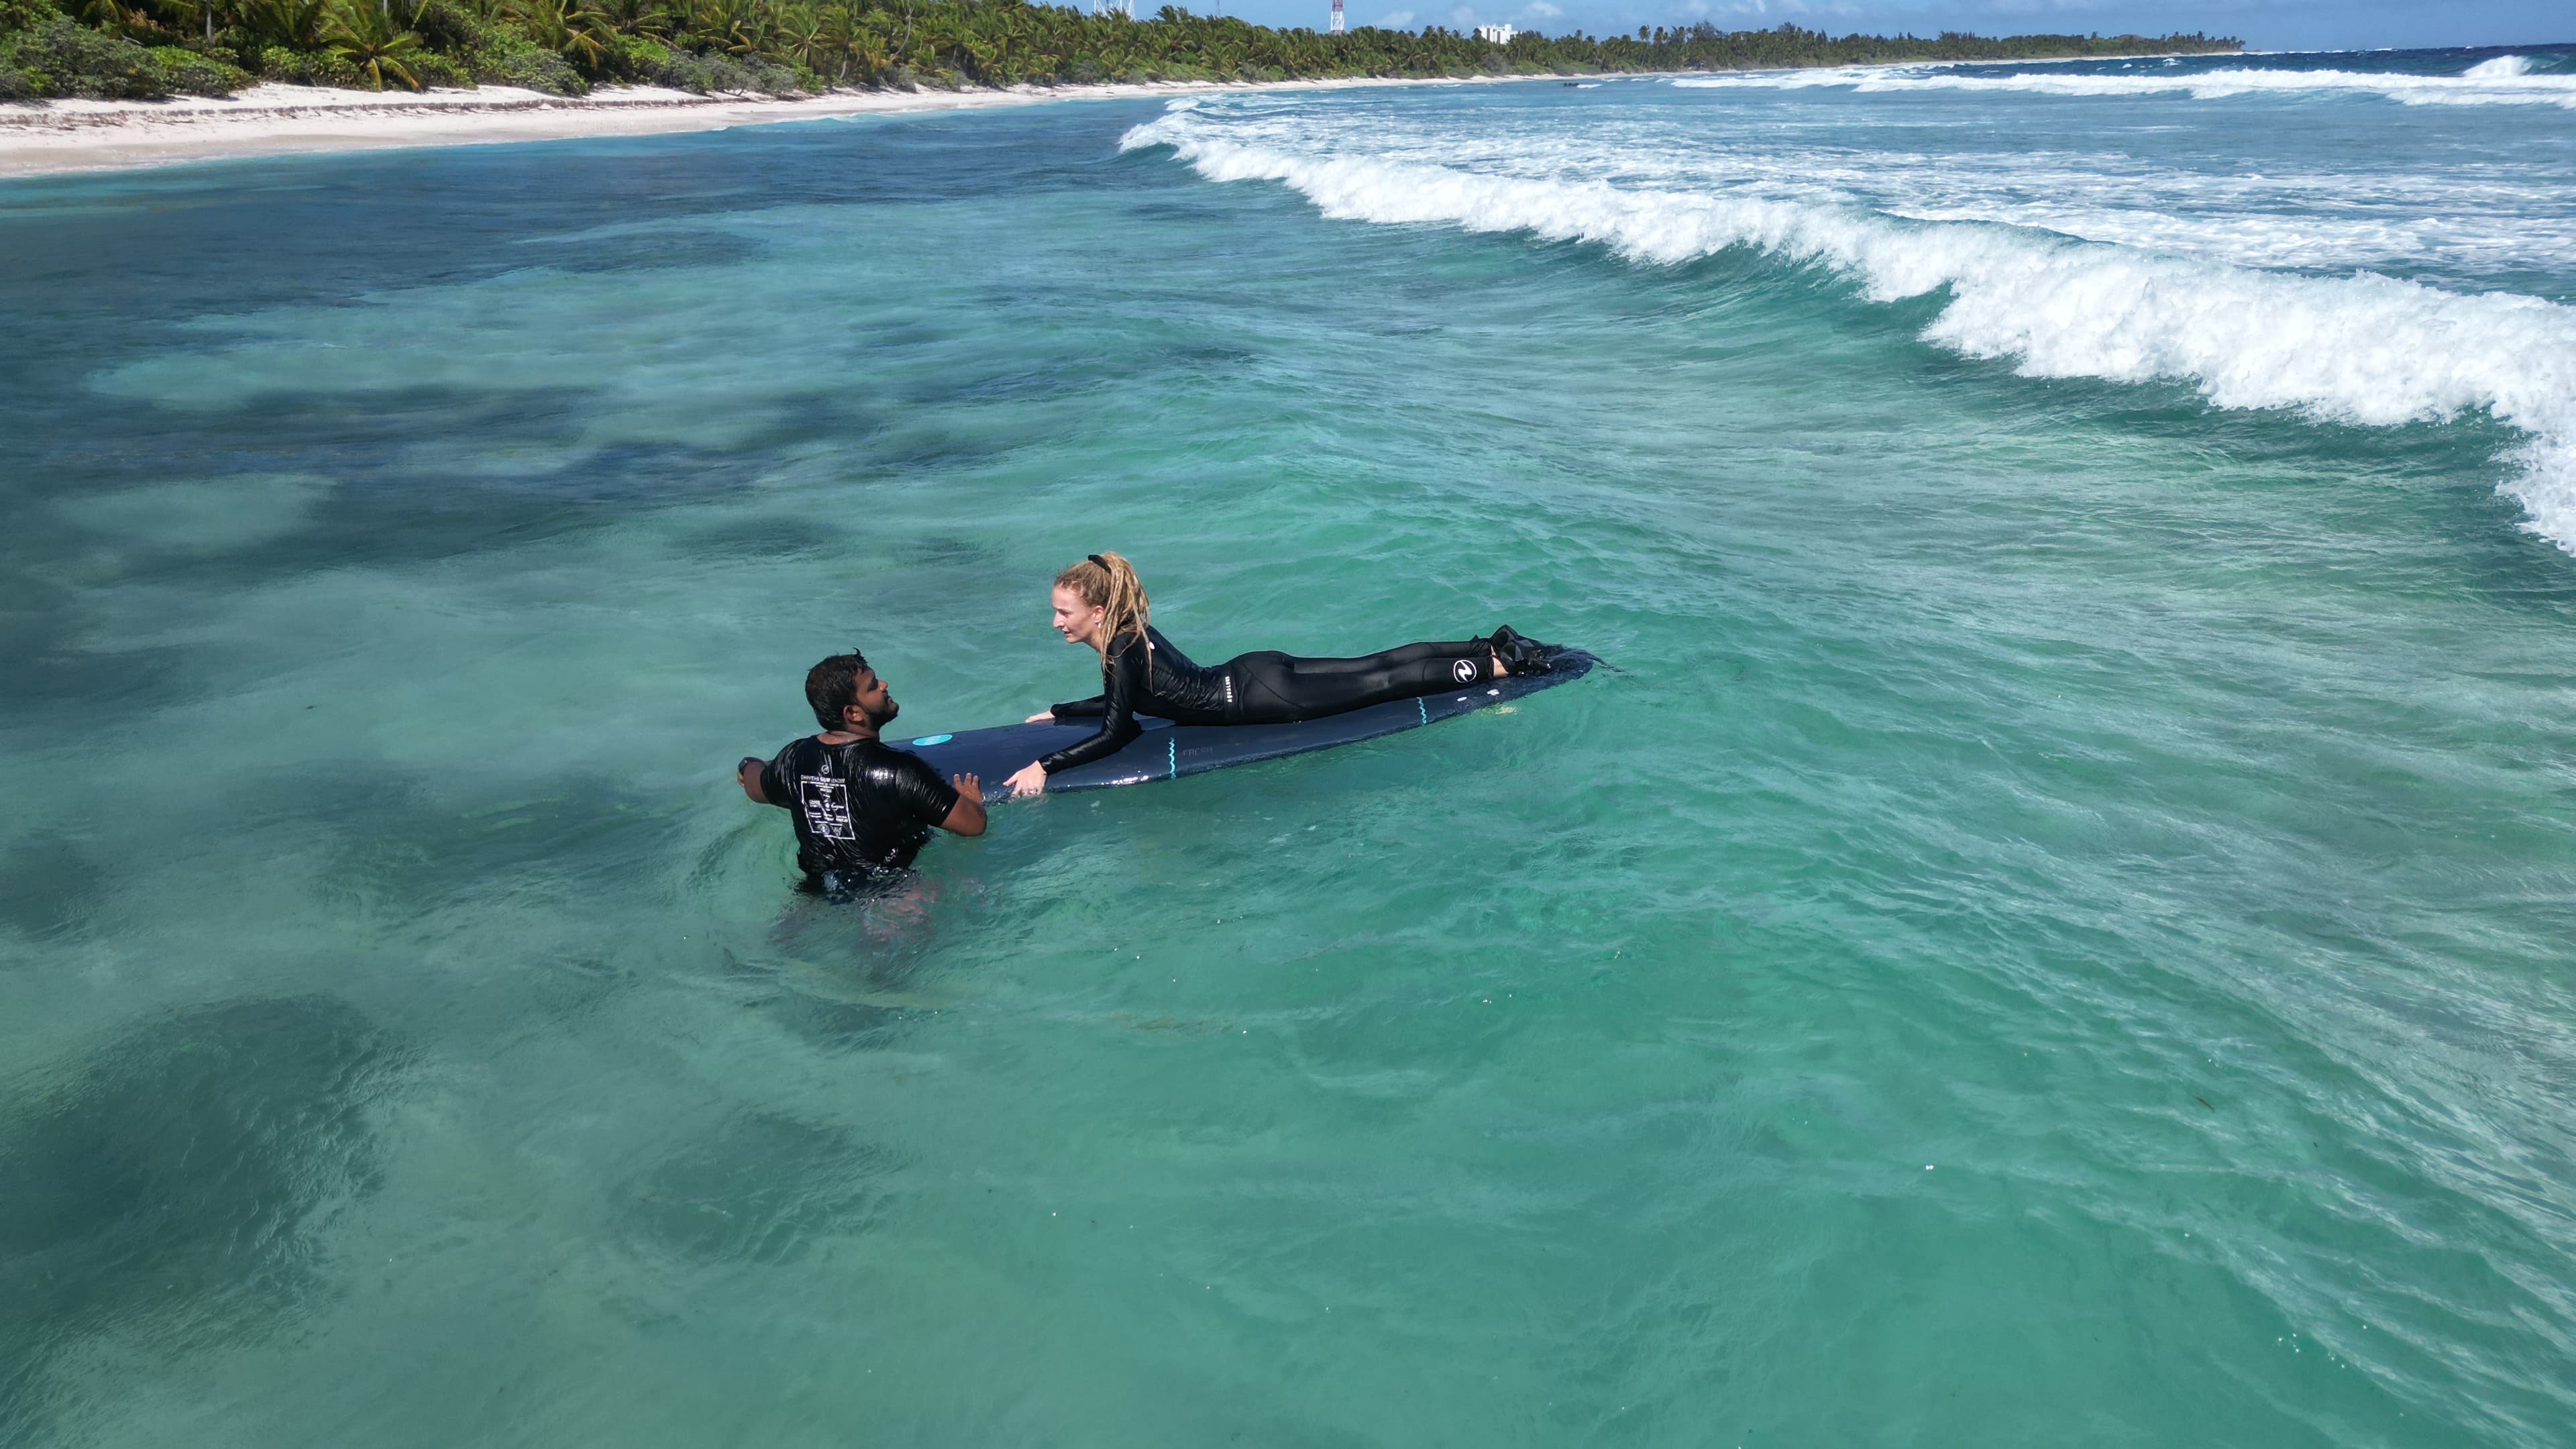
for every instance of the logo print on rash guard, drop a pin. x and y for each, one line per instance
(1464, 671)
(825, 804)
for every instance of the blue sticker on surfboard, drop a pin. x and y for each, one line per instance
(1167, 751)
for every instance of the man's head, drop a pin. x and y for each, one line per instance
(847, 695)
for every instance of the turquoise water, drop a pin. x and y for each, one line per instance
(2055, 933)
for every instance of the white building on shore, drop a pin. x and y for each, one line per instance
(1496, 34)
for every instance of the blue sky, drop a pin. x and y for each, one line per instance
(2264, 24)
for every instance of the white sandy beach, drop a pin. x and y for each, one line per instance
(58, 137)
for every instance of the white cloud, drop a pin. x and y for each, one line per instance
(1462, 17)
(1395, 20)
(1541, 9)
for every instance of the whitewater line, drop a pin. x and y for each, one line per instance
(2504, 81)
(2365, 349)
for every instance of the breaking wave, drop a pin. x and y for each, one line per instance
(2364, 349)
(2506, 80)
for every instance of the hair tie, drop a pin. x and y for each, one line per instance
(1095, 558)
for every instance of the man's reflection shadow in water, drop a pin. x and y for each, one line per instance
(868, 948)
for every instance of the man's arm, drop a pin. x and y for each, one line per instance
(966, 817)
(747, 775)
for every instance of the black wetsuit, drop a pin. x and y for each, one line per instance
(1262, 688)
(862, 811)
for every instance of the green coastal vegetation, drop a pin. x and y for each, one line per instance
(150, 48)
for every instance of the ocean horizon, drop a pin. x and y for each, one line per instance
(2050, 927)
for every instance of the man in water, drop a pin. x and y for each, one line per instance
(862, 810)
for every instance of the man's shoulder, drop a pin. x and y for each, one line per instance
(857, 756)
(798, 750)
(923, 783)
(879, 752)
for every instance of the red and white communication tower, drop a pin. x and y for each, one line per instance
(1337, 17)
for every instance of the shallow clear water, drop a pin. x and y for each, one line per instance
(2056, 932)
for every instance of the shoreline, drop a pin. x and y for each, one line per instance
(74, 137)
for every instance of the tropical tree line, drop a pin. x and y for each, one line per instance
(155, 47)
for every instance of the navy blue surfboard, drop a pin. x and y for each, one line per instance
(1167, 751)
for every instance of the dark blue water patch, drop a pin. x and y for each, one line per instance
(920, 450)
(760, 1188)
(416, 845)
(588, 833)
(48, 884)
(172, 1181)
(237, 238)
(1040, 382)
(812, 1014)
(762, 538)
(1180, 212)
(660, 249)
(953, 551)
(251, 234)
(78, 688)
(1213, 359)
(383, 504)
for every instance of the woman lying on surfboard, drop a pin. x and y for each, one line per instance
(1100, 602)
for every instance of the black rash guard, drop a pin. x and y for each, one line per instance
(862, 810)
(1266, 687)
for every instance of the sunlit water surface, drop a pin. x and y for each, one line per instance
(2056, 931)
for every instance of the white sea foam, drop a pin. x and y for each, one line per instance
(2488, 84)
(2460, 223)
(2500, 68)
(2364, 349)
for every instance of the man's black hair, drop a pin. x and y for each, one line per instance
(833, 686)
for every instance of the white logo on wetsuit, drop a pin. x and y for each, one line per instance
(825, 804)
(1465, 670)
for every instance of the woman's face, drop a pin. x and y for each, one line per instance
(1077, 621)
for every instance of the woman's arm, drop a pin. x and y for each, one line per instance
(1091, 708)
(1125, 684)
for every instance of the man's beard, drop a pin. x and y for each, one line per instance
(880, 721)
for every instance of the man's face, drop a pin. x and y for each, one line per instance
(873, 701)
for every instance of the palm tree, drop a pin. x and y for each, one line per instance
(177, 17)
(363, 34)
(632, 17)
(295, 24)
(731, 26)
(870, 55)
(566, 27)
(805, 38)
(837, 32)
(114, 18)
